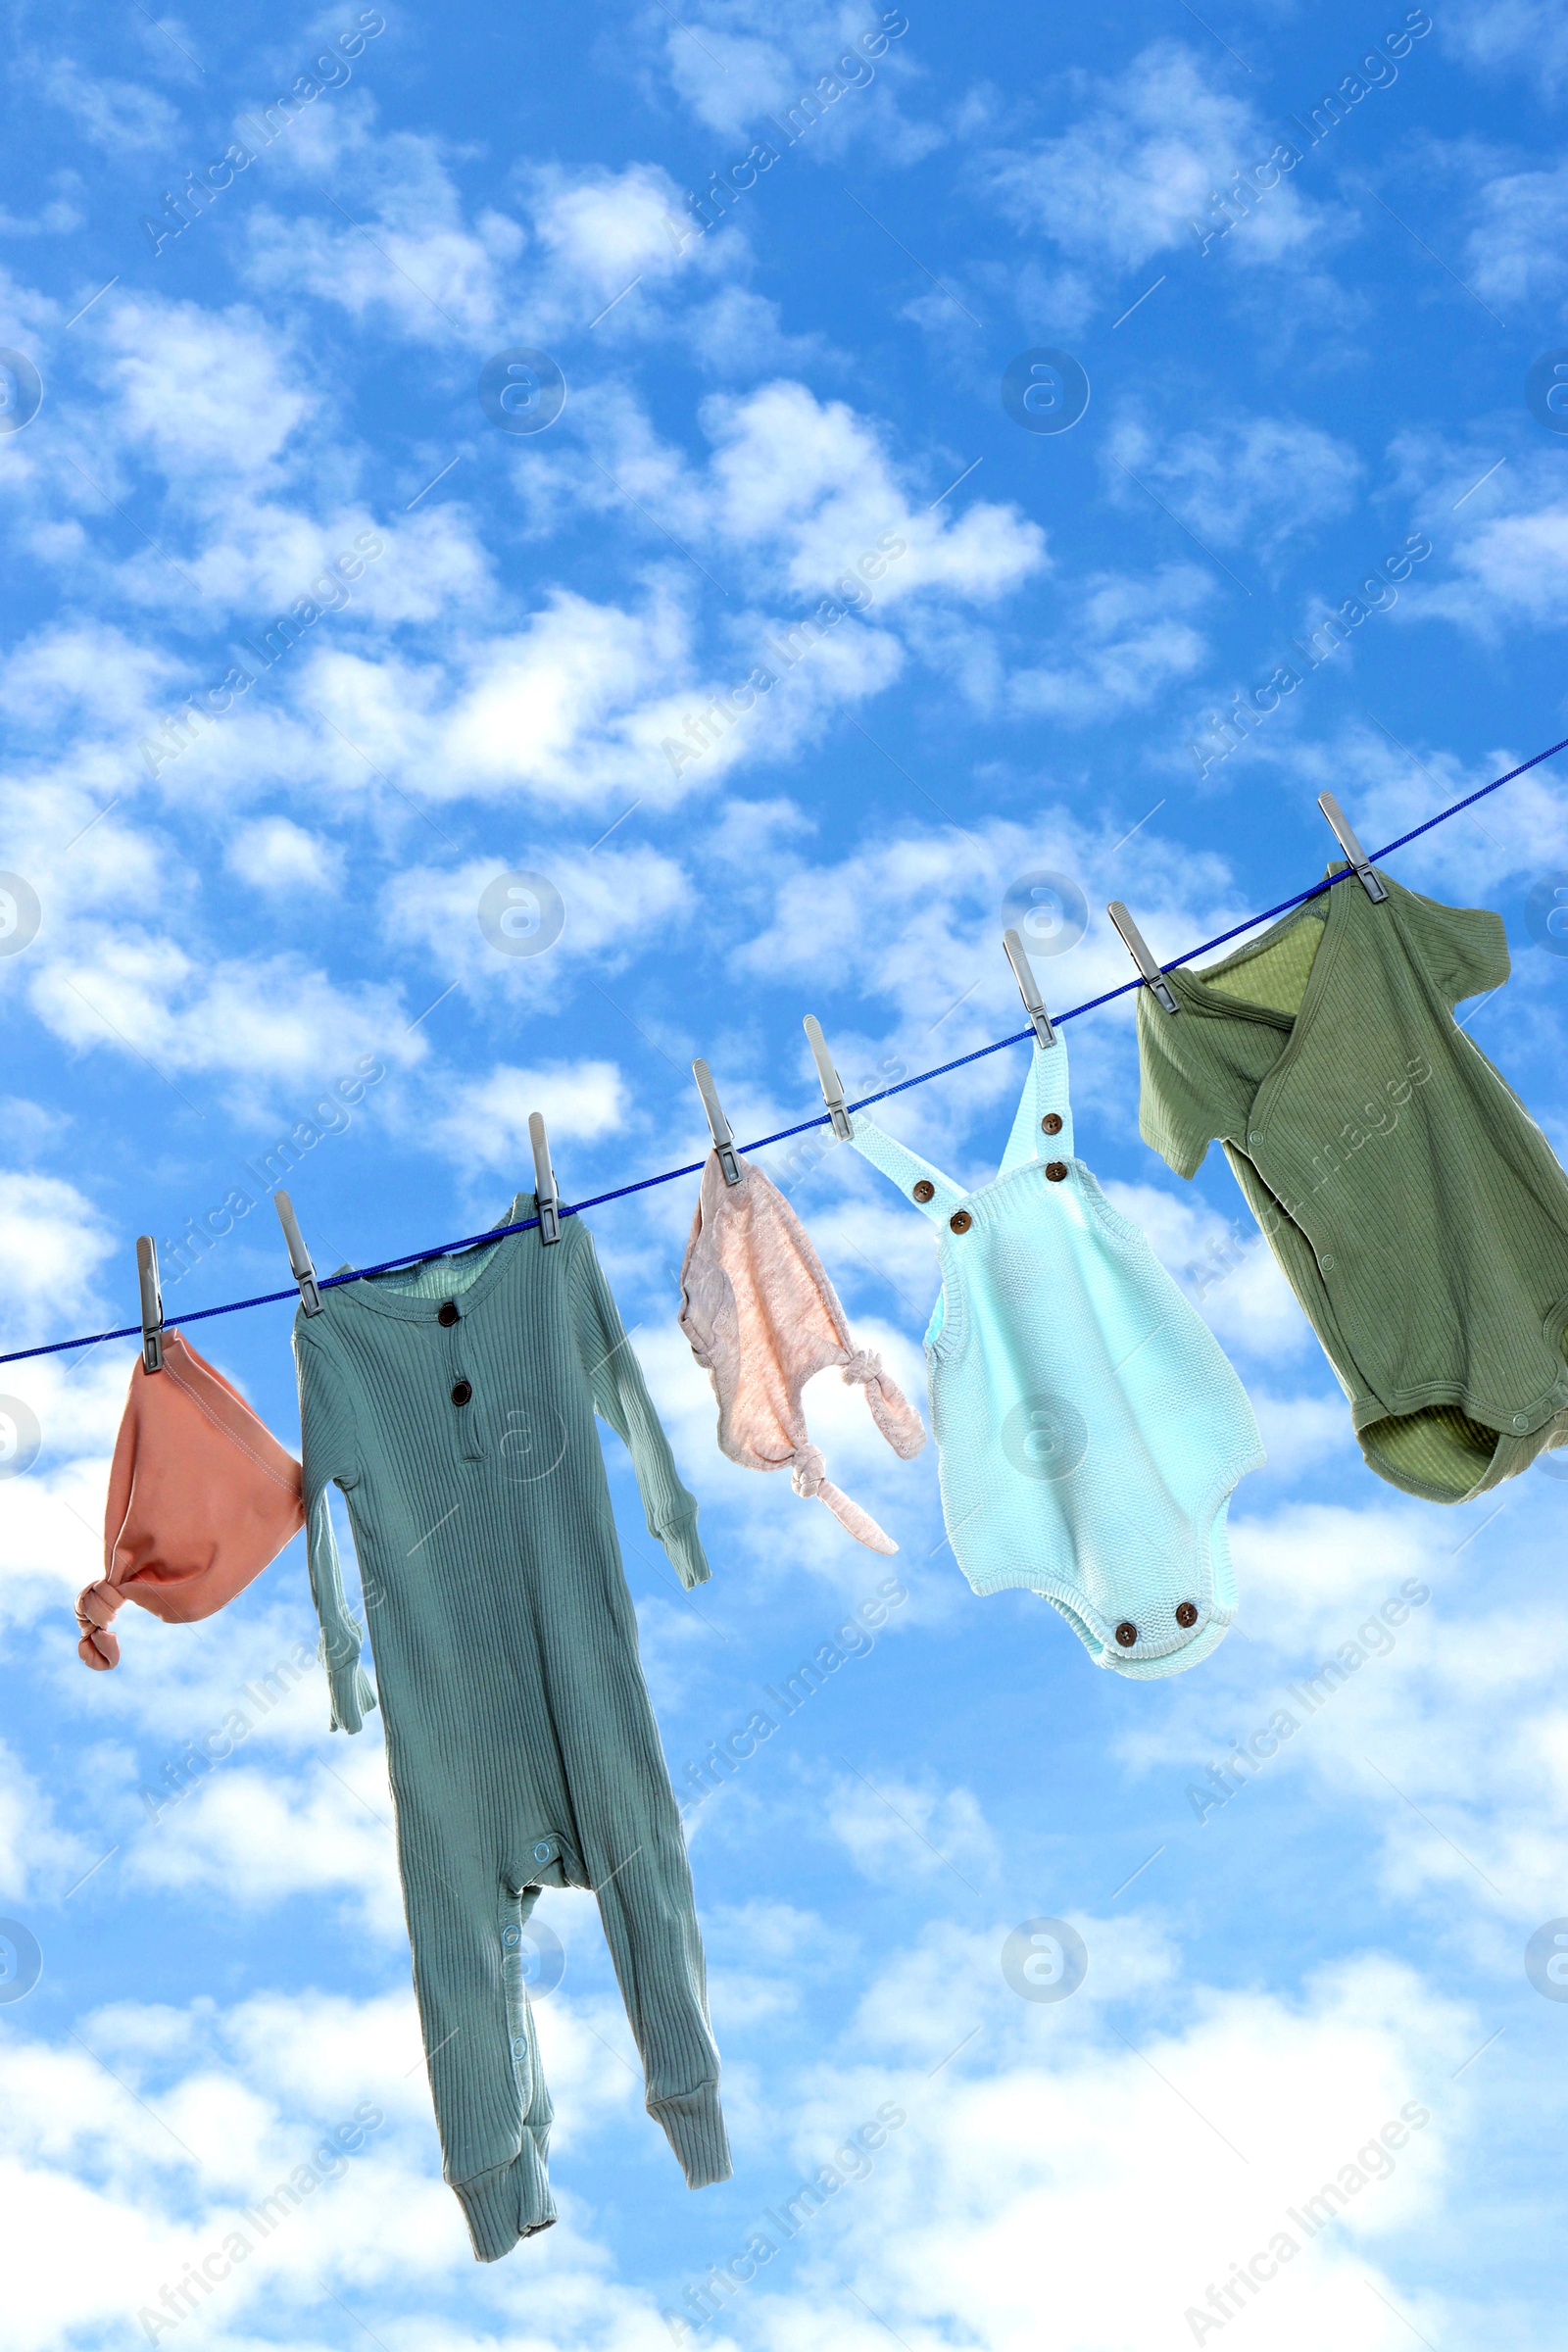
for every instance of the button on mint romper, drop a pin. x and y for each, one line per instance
(1089, 1429)
(454, 1403)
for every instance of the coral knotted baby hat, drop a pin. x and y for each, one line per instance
(201, 1497)
(763, 1317)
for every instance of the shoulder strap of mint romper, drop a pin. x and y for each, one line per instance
(908, 1171)
(1045, 1097)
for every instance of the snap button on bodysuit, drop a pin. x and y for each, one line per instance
(511, 1935)
(925, 1190)
(447, 1313)
(463, 1390)
(1056, 1170)
(961, 1220)
(541, 1853)
(1052, 1123)
(1186, 1613)
(1126, 1632)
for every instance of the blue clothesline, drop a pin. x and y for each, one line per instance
(417, 1257)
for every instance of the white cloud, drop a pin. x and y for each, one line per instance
(275, 853)
(892, 1832)
(421, 267)
(808, 483)
(1223, 1263)
(740, 68)
(199, 390)
(262, 1837)
(483, 1122)
(115, 115)
(1146, 148)
(604, 229)
(1126, 638)
(52, 1242)
(407, 259)
(1514, 255)
(1246, 481)
(263, 1024)
(1391, 787)
(1524, 38)
(616, 904)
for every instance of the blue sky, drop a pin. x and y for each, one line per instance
(506, 674)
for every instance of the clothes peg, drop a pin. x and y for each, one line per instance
(718, 1127)
(1352, 847)
(152, 1303)
(546, 1198)
(1034, 1004)
(1133, 940)
(299, 1257)
(832, 1083)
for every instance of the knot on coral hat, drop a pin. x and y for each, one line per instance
(891, 1410)
(96, 1609)
(808, 1471)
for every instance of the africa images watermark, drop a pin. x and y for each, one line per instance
(201, 192)
(852, 72)
(1224, 209)
(1373, 1640)
(329, 592)
(328, 1116)
(201, 1756)
(852, 2161)
(1373, 2161)
(1224, 732)
(328, 2161)
(791, 645)
(852, 1639)
(1223, 1256)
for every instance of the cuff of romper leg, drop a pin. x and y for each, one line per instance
(511, 2202)
(694, 2123)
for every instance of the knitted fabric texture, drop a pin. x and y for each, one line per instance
(763, 1317)
(1089, 1430)
(1415, 1208)
(454, 1403)
(201, 1497)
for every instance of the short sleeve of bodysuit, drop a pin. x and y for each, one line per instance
(1176, 1111)
(1464, 949)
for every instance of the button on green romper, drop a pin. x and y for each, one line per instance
(454, 1405)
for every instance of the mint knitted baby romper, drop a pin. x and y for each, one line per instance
(1089, 1429)
(454, 1402)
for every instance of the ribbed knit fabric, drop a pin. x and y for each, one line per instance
(1089, 1427)
(454, 1405)
(1417, 1210)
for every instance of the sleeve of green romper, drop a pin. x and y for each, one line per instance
(328, 1453)
(617, 1380)
(1465, 948)
(1173, 1115)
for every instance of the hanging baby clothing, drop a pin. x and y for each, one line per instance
(201, 1497)
(1089, 1429)
(454, 1405)
(763, 1317)
(1415, 1208)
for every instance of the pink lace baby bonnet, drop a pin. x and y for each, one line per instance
(201, 1497)
(761, 1317)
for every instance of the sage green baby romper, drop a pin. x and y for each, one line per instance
(1417, 1208)
(454, 1405)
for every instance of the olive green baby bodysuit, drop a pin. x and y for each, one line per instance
(1417, 1208)
(454, 1402)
